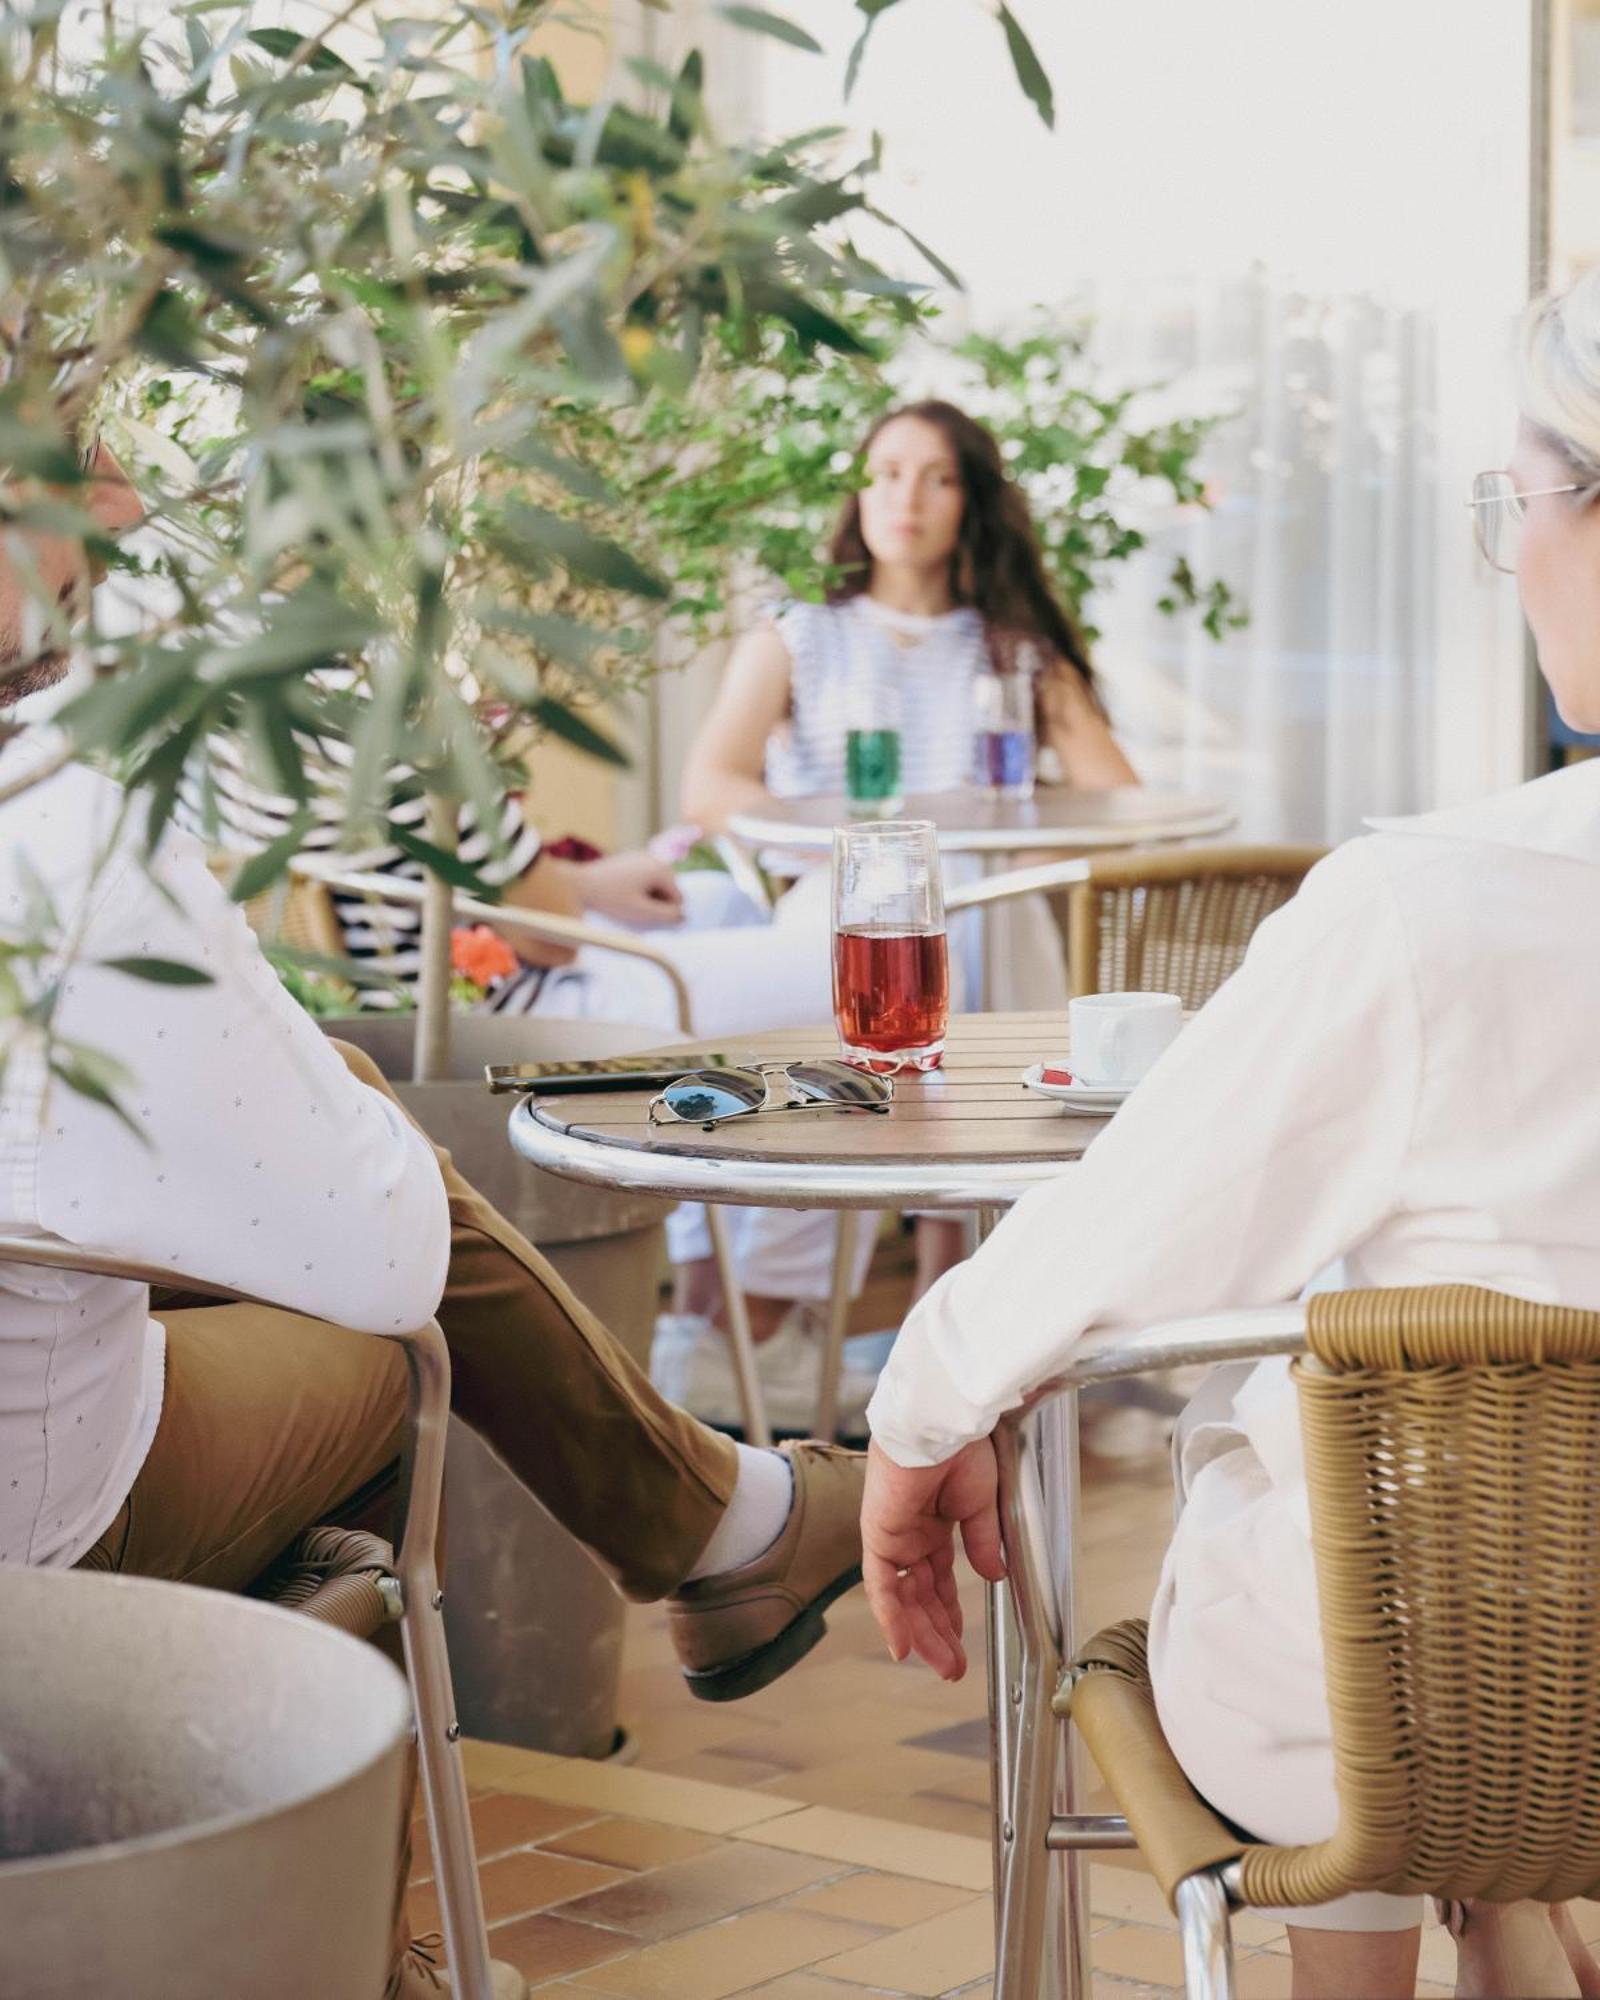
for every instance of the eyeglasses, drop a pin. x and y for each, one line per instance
(1499, 510)
(709, 1097)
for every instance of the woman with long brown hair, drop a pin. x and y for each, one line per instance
(939, 580)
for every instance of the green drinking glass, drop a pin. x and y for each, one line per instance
(872, 771)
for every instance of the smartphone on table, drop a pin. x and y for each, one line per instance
(563, 1079)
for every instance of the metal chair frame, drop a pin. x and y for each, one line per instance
(444, 1786)
(1041, 1908)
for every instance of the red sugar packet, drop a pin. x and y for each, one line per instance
(1054, 1073)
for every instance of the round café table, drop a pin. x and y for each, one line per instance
(1058, 821)
(964, 1138)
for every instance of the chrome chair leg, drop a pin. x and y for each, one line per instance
(1041, 1915)
(844, 1270)
(757, 1430)
(1207, 1937)
(444, 1785)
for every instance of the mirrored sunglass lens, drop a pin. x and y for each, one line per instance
(837, 1083)
(720, 1094)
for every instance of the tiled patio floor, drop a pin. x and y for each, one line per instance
(826, 1840)
(635, 1884)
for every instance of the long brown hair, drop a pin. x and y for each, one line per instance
(996, 565)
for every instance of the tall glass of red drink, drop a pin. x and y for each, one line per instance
(891, 963)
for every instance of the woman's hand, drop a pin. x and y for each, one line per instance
(908, 1523)
(632, 889)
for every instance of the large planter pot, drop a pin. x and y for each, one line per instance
(200, 1795)
(535, 1628)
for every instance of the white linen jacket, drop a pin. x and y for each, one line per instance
(258, 1161)
(1403, 1075)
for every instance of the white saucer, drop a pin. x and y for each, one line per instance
(1090, 1100)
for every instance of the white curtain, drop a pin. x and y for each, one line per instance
(1325, 519)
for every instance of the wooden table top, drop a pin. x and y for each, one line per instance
(968, 821)
(964, 1136)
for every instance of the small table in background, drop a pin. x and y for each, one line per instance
(1057, 821)
(1057, 818)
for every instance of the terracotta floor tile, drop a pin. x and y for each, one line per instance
(800, 1986)
(1253, 1933)
(631, 1843)
(1136, 1951)
(727, 1959)
(534, 1879)
(547, 1947)
(932, 1958)
(502, 1820)
(664, 1725)
(892, 1901)
(810, 1741)
(1263, 1975)
(1130, 1897)
(857, 1783)
(610, 1788)
(688, 1894)
(889, 1845)
(946, 1815)
(718, 1767)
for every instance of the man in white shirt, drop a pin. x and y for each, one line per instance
(257, 1156)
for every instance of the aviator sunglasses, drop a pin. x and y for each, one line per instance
(709, 1097)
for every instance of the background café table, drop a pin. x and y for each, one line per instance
(965, 1138)
(1056, 821)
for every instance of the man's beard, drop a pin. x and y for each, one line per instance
(44, 672)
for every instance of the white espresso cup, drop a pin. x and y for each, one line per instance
(1116, 1037)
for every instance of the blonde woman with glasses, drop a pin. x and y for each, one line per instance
(1392, 1090)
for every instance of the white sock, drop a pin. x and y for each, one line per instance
(755, 1517)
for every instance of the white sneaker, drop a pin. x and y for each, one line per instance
(692, 1365)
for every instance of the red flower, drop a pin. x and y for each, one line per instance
(481, 955)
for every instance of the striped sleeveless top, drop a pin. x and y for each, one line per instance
(235, 816)
(847, 662)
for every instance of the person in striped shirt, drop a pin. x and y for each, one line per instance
(633, 890)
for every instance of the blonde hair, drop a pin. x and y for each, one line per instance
(1559, 371)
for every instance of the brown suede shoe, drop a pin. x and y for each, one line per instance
(737, 1632)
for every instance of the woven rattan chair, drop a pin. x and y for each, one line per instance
(348, 1579)
(1175, 920)
(1452, 1442)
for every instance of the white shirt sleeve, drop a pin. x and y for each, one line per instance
(259, 1162)
(1269, 1139)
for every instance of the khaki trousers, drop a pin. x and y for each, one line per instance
(271, 1422)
